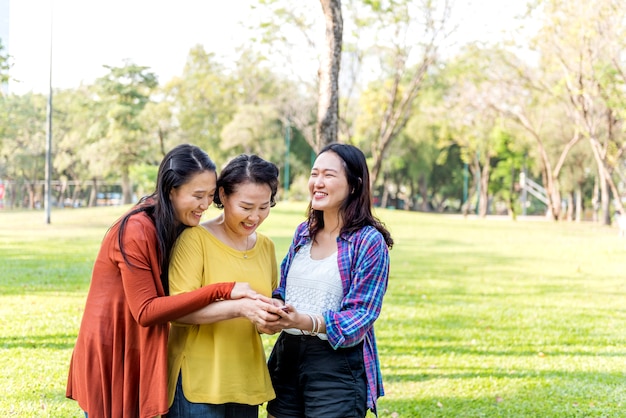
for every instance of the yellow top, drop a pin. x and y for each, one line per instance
(225, 361)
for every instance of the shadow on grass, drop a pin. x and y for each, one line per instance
(439, 350)
(52, 341)
(545, 394)
(494, 407)
(397, 374)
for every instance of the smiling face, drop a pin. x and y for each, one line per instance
(246, 208)
(191, 199)
(328, 184)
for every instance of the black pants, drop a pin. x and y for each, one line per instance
(311, 379)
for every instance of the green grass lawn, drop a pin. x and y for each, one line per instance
(483, 318)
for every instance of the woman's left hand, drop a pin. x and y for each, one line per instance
(286, 317)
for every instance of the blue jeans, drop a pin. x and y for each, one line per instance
(182, 408)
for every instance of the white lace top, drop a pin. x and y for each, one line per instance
(313, 286)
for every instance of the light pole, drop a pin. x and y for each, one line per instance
(48, 167)
(287, 146)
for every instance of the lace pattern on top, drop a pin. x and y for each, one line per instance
(313, 286)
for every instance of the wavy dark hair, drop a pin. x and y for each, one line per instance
(247, 168)
(176, 169)
(356, 210)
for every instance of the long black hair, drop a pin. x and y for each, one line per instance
(247, 168)
(176, 169)
(356, 210)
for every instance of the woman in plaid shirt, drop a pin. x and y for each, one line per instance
(333, 279)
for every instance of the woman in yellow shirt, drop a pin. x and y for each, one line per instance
(218, 369)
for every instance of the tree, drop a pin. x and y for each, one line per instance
(577, 179)
(4, 66)
(262, 109)
(473, 123)
(4, 78)
(22, 148)
(507, 168)
(255, 129)
(527, 98)
(286, 30)
(122, 139)
(160, 124)
(73, 115)
(204, 100)
(407, 35)
(582, 42)
(328, 105)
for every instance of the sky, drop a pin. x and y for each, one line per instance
(87, 34)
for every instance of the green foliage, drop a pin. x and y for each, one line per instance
(424, 155)
(23, 146)
(122, 139)
(144, 177)
(301, 155)
(205, 97)
(403, 101)
(447, 178)
(4, 66)
(71, 125)
(482, 318)
(255, 129)
(125, 92)
(507, 165)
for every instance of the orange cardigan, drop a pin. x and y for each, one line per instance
(119, 364)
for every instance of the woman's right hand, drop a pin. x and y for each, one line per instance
(258, 311)
(242, 290)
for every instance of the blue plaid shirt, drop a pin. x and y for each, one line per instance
(363, 261)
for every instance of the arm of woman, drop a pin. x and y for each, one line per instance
(367, 272)
(362, 303)
(187, 269)
(141, 280)
(258, 311)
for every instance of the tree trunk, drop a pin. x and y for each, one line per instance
(475, 189)
(93, 196)
(509, 200)
(605, 182)
(30, 191)
(550, 176)
(61, 193)
(126, 187)
(422, 183)
(555, 199)
(605, 200)
(76, 194)
(484, 190)
(579, 203)
(595, 198)
(384, 197)
(569, 214)
(328, 104)
(12, 193)
(414, 193)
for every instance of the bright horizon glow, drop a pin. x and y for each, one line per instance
(159, 34)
